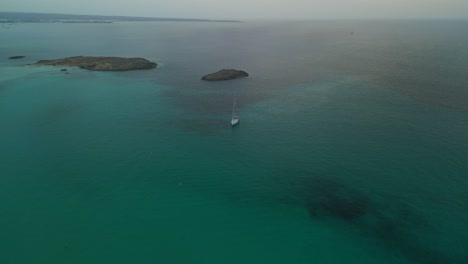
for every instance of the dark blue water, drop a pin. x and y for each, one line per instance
(352, 148)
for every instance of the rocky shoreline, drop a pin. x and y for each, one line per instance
(225, 74)
(102, 63)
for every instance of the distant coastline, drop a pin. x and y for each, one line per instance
(19, 17)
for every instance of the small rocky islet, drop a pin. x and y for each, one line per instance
(102, 63)
(225, 74)
(16, 57)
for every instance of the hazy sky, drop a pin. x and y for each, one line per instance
(249, 9)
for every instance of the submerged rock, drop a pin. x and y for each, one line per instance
(330, 199)
(63, 70)
(225, 74)
(16, 57)
(388, 222)
(102, 63)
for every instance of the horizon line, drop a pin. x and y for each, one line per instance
(245, 19)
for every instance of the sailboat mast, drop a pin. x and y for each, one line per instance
(233, 106)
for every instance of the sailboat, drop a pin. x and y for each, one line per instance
(235, 119)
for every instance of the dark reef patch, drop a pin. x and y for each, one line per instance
(335, 201)
(387, 222)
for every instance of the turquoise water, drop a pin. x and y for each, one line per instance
(351, 148)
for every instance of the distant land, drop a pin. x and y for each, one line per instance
(18, 17)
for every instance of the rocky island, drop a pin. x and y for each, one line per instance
(16, 57)
(102, 63)
(225, 74)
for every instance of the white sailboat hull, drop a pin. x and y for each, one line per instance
(235, 121)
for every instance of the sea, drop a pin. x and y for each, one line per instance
(352, 145)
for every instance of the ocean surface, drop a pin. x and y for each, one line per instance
(352, 145)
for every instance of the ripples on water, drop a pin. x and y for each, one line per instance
(363, 134)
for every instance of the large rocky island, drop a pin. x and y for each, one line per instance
(102, 63)
(225, 74)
